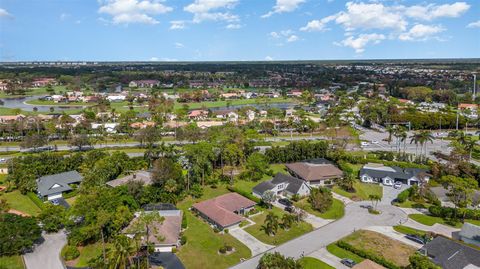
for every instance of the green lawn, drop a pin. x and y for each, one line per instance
(53, 103)
(412, 204)
(282, 236)
(430, 220)
(89, 252)
(335, 212)
(407, 230)
(475, 222)
(21, 202)
(362, 191)
(312, 263)
(247, 186)
(201, 250)
(343, 254)
(233, 103)
(11, 262)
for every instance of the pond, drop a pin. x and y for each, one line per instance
(20, 102)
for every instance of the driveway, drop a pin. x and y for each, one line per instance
(355, 218)
(250, 241)
(47, 254)
(328, 258)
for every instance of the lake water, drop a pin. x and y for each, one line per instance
(19, 103)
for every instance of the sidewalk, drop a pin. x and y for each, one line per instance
(328, 258)
(344, 199)
(436, 228)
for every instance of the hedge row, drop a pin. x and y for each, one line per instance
(35, 199)
(245, 194)
(448, 212)
(367, 255)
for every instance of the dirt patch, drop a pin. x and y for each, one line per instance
(20, 213)
(381, 245)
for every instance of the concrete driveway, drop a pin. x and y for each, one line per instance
(255, 245)
(47, 254)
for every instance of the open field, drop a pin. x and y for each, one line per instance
(201, 250)
(343, 254)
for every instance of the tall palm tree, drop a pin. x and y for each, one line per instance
(425, 137)
(119, 255)
(403, 138)
(415, 138)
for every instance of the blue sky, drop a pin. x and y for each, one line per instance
(211, 30)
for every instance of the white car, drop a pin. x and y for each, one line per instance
(375, 142)
(2, 160)
(365, 144)
(397, 185)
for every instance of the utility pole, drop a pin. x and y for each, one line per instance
(474, 86)
(457, 120)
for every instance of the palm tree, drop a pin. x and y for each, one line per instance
(415, 138)
(375, 199)
(390, 131)
(119, 255)
(425, 137)
(287, 221)
(270, 226)
(403, 138)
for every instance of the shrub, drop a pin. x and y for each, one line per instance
(225, 231)
(403, 196)
(70, 252)
(183, 240)
(367, 255)
(174, 250)
(321, 199)
(184, 221)
(216, 230)
(223, 250)
(244, 194)
(35, 199)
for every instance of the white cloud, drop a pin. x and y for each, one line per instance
(317, 25)
(370, 16)
(177, 25)
(4, 13)
(204, 10)
(475, 24)
(133, 11)
(233, 26)
(292, 38)
(156, 59)
(268, 58)
(283, 6)
(179, 45)
(421, 32)
(359, 43)
(432, 11)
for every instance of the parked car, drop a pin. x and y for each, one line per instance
(285, 202)
(365, 144)
(290, 209)
(2, 160)
(416, 238)
(397, 185)
(348, 262)
(375, 142)
(55, 201)
(366, 206)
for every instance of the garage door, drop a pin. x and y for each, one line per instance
(54, 196)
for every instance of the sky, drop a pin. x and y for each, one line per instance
(237, 30)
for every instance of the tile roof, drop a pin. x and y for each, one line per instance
(168, 230)
(312, 171)
(221, 209)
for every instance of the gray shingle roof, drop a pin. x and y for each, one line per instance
(400, 173)
(294, 184)
(450, 254)
(45, 184)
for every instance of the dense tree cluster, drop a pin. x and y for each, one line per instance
(297, 151)
(18, 234)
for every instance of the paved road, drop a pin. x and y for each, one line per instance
(355, 218)
(47, 254)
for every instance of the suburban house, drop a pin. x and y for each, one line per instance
(317, 172)
(282, 184)
(229, 115)
(450, 254)
(165, 235)
(470, 234)
(225, 210)
(148, 83)
(442, 192)
(141, 176)
(11, 119)
(53, 186)
(198, 114)
(379, 173)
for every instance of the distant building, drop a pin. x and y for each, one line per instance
(148, 83)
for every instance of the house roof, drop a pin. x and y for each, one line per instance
(470, 231)
(294, 184)
(313, 171)
(142, 176)
(51, 184)
(450, 254)
(221, 209)
(168, 230)
(368, 264)
(394, 172)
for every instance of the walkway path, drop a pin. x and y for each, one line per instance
(330, 259)
(47, 254)
(255, 245)
(436, 228)
(342, 198)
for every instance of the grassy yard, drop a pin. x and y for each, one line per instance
(381, 246)
(343, 254)
(335, 212)
(87, 253)
(475, 222)
(201, 250)
(407, 230)
(232, 103)
(281, 236)
(247, 186)
(412, 204)
(21, 202)
(312, 263)
(430, 220)
(11, 262)
(362, 191)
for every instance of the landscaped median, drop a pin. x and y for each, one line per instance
(336, 211)
(430, 220)
(373, 246)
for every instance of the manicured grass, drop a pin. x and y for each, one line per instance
(381, 246)
(336, 211)
(21, 202)
(412, 204)
(247, 186)
(362, 191)
(343, 254)
(11, 262)
(430, 220)
(475, 222)
(89, 252)
(281, 236)
(312, 263)
(407, 230)
(201, 250)
(233, 103)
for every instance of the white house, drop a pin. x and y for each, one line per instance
(282, 184)
(116, 98)
(379, 173)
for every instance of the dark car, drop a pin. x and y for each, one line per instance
(285, 202)
(348, 262)
(290, 209)
(416, 238)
